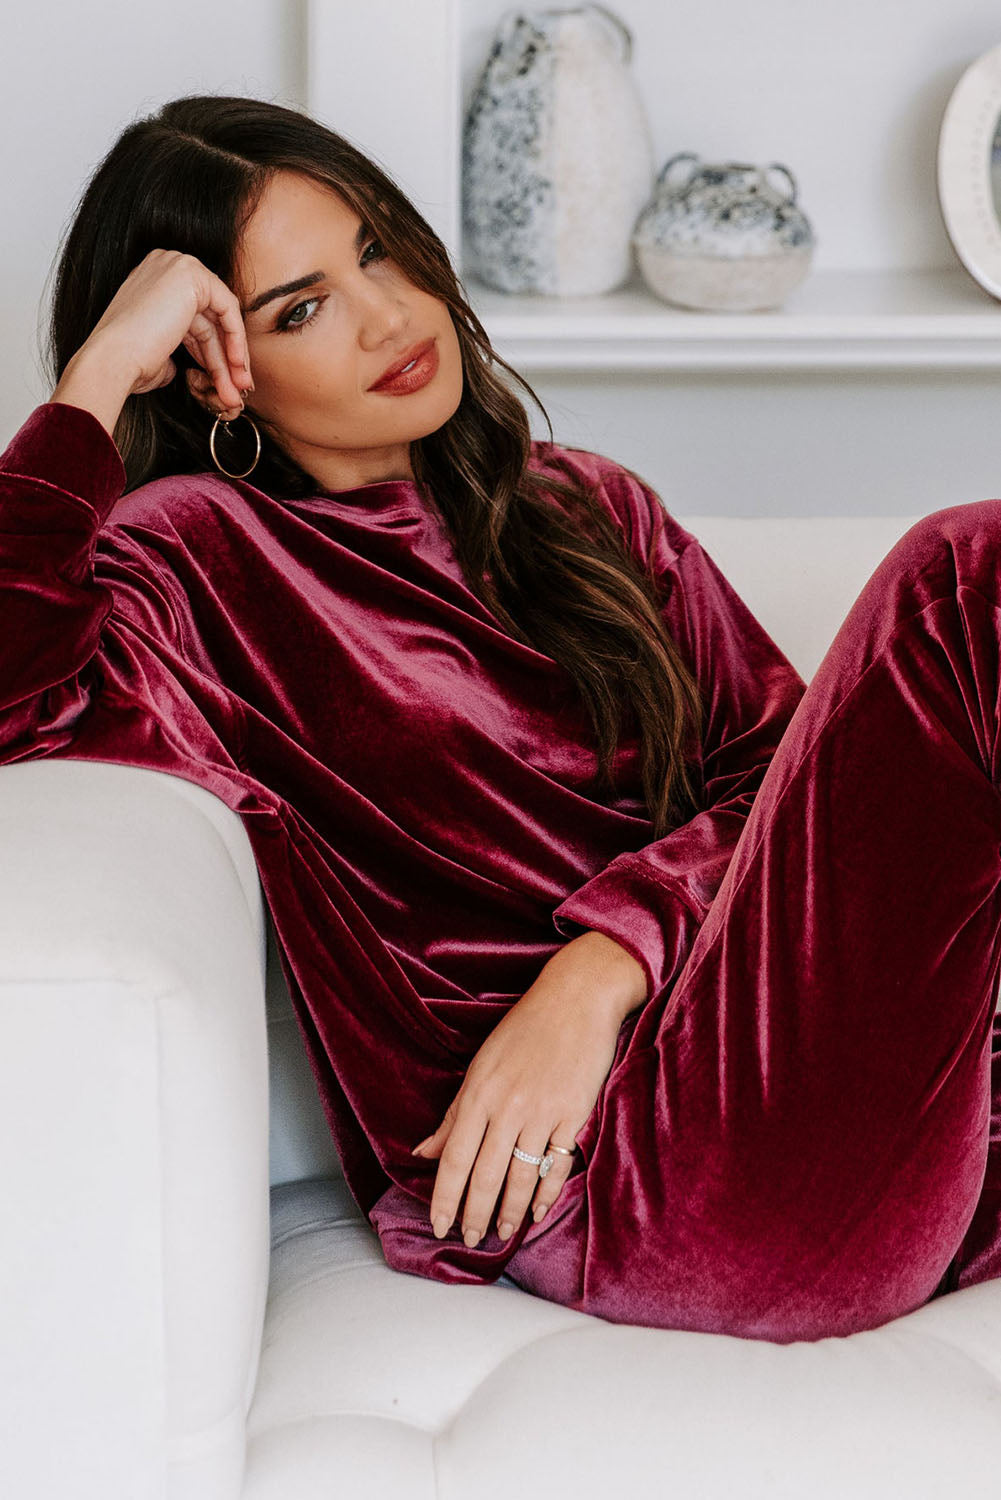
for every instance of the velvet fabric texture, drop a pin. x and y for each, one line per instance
(794, 1137)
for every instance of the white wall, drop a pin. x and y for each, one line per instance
(73, 77)
(842, 443)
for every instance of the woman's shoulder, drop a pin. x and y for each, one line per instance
(186, 535)
(630, 500)
(175, 501)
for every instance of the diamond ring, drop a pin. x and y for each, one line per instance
(542, 1162)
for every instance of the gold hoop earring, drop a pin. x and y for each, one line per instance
(215, 460)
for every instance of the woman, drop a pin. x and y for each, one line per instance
(572, 874)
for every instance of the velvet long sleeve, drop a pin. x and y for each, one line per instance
(652, 900)
(91, 661)
(52, 610)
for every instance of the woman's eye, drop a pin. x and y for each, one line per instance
(368, 247)
(290, 323)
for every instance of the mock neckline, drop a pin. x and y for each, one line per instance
(382, 497)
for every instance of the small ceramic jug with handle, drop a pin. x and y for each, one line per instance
(557, 156)
(722, 237)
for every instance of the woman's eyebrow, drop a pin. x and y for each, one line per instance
(301, 282)
(279, 291)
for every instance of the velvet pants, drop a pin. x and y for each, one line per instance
(801, 1140)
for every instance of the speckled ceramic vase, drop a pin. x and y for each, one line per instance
(721, 237)
(557, 156)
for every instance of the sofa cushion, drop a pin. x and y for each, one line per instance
(374, 1382)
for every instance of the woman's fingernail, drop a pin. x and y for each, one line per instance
(440, 1226)
(505, 1230)
(538, 1211)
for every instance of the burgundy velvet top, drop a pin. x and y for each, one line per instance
(419, 805)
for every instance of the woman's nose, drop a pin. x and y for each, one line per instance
(381, 316)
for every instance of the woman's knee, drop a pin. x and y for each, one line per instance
(962, 541)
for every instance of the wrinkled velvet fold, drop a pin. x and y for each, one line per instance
(793, 1138)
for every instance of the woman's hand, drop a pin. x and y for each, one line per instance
(536, 1078)
(169, 299)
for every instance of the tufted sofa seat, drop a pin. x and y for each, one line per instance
(193, 1307)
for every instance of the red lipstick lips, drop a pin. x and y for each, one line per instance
(397, 380)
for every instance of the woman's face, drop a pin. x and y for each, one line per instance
(315, 352)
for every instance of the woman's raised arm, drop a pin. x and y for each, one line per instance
(60, 476)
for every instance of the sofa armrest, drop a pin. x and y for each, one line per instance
(133, 1133)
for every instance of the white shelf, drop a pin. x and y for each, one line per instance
(837, 319)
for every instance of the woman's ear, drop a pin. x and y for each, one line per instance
(201, 386)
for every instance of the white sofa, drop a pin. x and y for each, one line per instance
(190, 1315)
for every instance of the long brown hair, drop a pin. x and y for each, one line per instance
(189, 178)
